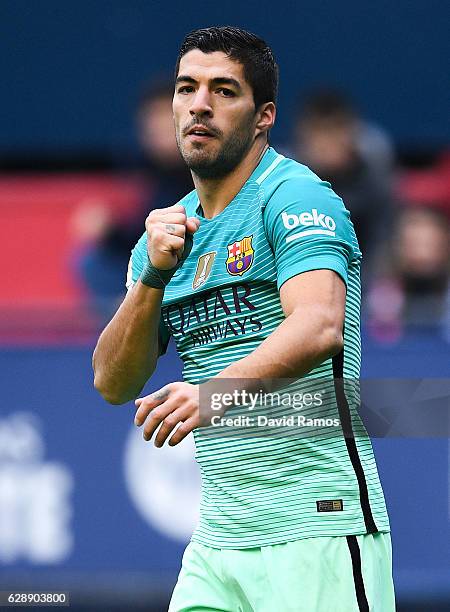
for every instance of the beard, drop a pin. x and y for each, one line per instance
(216, 164)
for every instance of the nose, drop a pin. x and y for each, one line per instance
(201, 103)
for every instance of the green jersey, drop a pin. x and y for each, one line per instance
(219, 306)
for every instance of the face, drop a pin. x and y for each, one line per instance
(156, 133)
(214, 112)
(328, 146)
(423, 245)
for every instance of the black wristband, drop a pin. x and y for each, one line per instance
(158, 279)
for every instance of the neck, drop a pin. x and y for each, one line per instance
(216, 194)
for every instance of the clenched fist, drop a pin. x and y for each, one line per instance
(169, 241)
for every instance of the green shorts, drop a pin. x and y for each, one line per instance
(323, 574)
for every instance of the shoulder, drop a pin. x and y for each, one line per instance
(293, 188)
(289, 170)
(299, 206)
(294, 182)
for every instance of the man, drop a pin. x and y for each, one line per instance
(355, 157)
(254, 274)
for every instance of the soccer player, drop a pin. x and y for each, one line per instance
(255, 274)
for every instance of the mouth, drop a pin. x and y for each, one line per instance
(200, 133)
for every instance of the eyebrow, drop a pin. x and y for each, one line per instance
(216, 81)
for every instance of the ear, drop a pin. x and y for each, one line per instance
(265, 117)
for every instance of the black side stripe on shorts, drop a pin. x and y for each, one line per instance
(346, 422)
(363, 604)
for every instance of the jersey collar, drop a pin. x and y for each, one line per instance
(269, 160)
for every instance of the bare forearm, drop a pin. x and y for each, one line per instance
(127, 350)
(303, 341)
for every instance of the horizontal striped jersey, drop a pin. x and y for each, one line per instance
(220, 305)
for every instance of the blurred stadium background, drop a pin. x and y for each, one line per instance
(86, 150)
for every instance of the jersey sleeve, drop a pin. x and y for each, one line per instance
(309, 228)
(135, 267)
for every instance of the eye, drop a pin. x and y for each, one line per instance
(228, 93)
(185, 89)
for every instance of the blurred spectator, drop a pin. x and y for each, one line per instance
(356, 157)
(427, 187)
(414, 292)
(107, 240)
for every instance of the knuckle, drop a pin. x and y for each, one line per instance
(151, 219)
(143, 407)
(170, 420)
(183, 429)
(160, 237)
(179, 229)
(161, 228)
(153, 232)
(191, 403)
(177, 437)
(177, 396)
(156, 212)
(156, 415)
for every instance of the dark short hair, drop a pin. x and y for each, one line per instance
(256, 57)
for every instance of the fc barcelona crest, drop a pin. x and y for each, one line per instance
(240, 256)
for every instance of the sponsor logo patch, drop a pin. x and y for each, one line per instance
(204, 266)
(330, 505)
(240, 256)
(309, 223)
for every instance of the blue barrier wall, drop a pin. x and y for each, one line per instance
(82, 496)
(415, 473)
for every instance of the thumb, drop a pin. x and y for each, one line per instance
(192, 224)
